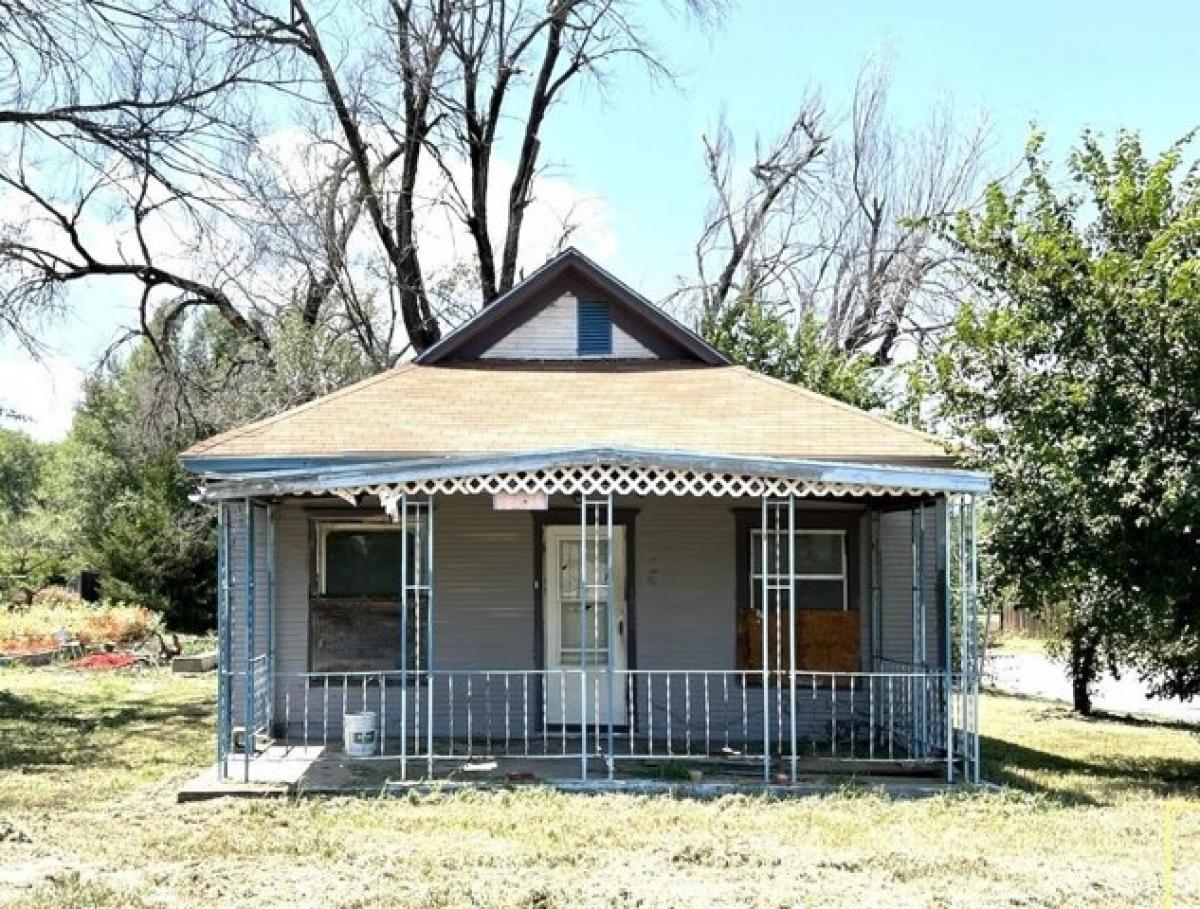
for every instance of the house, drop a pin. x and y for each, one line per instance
(572, 532)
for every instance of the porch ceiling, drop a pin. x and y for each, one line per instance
(624, 471)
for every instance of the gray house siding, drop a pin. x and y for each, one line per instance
(683, 604)
(896, 640)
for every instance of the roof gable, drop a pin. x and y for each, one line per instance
(536, 319)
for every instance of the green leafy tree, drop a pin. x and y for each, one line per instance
(121, 470)
(1077, 379)
(21, 460)
(37, 538)
(764, 339)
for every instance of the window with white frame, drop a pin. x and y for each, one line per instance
(819, 578)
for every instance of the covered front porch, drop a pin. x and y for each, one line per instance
(726, 621)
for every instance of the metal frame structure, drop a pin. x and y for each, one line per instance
(257, 678)
(906, 713)
(224, 641)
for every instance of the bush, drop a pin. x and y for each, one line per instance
(29, 628)
(56, 594)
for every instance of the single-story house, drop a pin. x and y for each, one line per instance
(573, 532)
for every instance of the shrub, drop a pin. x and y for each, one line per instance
(34, 627)
(57, 594)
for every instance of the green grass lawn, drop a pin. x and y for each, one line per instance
(89, 765)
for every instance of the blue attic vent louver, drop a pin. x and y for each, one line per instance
(594, 328)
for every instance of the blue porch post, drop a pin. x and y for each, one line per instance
(792, 607)
(428, 573)
(766, 647)
(224, 641)
(948, 634)
(611, 632)
(404, 678)
(270, 667)
(249, 720)
(584, 591)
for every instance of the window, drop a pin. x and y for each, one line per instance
(361, 560)
(820, 575)
(594, 328)
(355, 616)
(825, 581)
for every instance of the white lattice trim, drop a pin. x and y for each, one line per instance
(631, 481)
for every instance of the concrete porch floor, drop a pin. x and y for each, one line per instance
(287, 770)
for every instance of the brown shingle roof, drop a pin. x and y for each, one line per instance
(482, 408)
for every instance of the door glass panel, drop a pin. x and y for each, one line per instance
(568, 569)
(571, 572)
(571, 595)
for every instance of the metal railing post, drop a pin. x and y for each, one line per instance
(611, 631)
(248, 718)
(963, 653)
(404, 676)
(766, 647)
(977, 657)
(791, 505)
(947, 634)
(427, 533)
(921, 705)
(583, 597)
(271, 609)
(224, 642)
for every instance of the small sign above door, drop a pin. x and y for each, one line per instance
(520, 501)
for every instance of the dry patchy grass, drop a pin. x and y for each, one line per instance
(88, 767)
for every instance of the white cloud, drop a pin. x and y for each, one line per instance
(44, 392)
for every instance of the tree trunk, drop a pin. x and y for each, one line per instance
(1083, 672)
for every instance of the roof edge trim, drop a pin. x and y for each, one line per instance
(284, 479)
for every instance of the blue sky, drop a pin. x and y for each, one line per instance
(1065, 64)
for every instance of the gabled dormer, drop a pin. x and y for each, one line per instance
(571, 309)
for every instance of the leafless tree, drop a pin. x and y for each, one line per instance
(883, 276)
(110, 112)
(841, 220)
(435, 82)
(495, 46)
(746, 243)
(161, 120)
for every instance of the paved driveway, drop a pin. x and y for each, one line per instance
(1039, 676)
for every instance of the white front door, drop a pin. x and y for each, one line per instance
(563, 599)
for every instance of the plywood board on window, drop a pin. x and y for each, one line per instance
(826, 641)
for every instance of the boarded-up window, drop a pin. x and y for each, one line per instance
(827, 631)
(355, 616)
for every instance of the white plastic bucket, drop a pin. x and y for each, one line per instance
(358, 734)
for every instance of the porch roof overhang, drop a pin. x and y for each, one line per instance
(582, 470)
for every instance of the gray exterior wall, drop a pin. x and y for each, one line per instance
(896, 584)
(683, 606)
